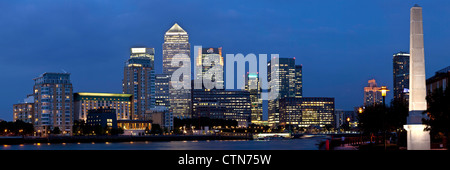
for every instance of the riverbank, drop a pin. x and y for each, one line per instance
(15, 140)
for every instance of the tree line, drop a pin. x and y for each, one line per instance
(389, 120)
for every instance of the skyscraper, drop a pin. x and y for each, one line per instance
(214, 71)
(53, 103)
(401, 76)
(372, 95)
(162, 90)
(176, 41)
(253, 86)
(289, 85)
(139, 80)
(298, 81)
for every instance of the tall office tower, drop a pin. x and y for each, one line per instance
(289, 85)
(53, 101)
(139, 80)
(253, 86)
(307, 111)
(214, 71)
(121, 103)
(176, 41)
(417, 137)
(372, 95)
(162, 90)
(401, 76)
(299, 81)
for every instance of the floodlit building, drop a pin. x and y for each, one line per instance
(162, 90)
(103, 117)
(176, 42)
(307, 112)
(372, 94)
(289, 84)
(24, 110)
(401, 75)
(222, 104)
(121, 103)
(253, 86)
(53, 101)
(139, 80)
(134, 127)
(213, 69)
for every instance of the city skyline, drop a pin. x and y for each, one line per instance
(315, 83)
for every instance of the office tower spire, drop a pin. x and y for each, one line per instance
(176, 43)
(417, 138)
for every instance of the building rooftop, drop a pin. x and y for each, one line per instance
(103, 94)
(176, 29)
(444, 70)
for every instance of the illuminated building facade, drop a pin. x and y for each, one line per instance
(372, 95)
(222, 104)
(289, 84)
(307, 111)
(105, 118)
(253, 86)
(24, 110)
(162, 90)
(139, 80)
(208, 55)
(134, 127)
(401, 76)
(53, 103)
(121, 103)
(176, 41)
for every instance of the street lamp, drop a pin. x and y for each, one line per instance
(384, 90)
(383, 93)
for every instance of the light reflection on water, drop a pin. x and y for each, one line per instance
(294, 144)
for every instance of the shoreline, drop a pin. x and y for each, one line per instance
(17, 140)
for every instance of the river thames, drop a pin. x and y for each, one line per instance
(293, 144)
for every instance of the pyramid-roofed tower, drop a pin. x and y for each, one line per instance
(176, 29)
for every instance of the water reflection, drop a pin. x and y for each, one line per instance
(295, 144)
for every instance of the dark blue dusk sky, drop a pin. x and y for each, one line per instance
(341, 44)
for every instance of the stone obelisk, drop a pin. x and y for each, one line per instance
(417, 138)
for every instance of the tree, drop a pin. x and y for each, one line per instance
(156, 129)
(56, 130)
(22, 128)
(439, 113)
(398, 112)
(373, 119)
